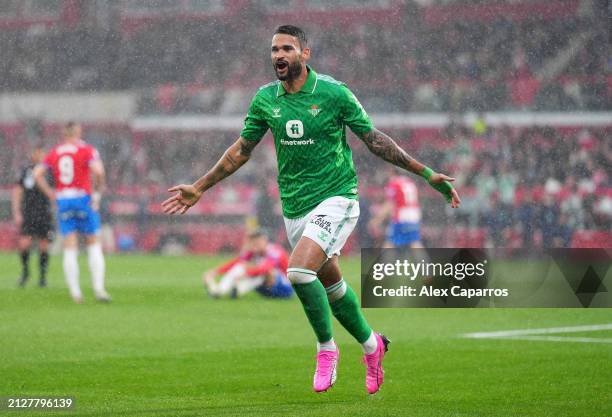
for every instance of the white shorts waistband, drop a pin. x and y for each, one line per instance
(70, 193)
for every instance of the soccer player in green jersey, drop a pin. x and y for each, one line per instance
(308, 114)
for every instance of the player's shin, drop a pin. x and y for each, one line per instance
(312, 294)
(24, 255)
(43, 263)
(228, 281)
(71, 273)
(248, 284)
(345, 307)
(96, 267)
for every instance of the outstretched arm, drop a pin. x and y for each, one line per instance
(384, 147)
(187, 195)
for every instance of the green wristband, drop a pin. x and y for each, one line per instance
(426, 173)
(445, 188)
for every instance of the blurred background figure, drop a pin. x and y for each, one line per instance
(260, 266)
(73, 164)
(32, 215)
(400, 212)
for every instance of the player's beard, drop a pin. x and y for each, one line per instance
(294, 70)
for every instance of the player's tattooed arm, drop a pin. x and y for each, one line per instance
(246, 146)
(186, 195)
(234, 157)
(384, 147)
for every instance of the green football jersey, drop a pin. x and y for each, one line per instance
(309, 129)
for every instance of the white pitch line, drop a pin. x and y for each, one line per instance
(561, 339)
(548, 330)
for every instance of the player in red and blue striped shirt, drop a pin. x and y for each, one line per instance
(73, 163)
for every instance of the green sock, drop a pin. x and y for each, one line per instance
(348, 311)
(314, 300)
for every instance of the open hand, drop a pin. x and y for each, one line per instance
(437, 178)
(185, 197)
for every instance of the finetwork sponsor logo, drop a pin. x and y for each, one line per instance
(297, 142)
(295, 129)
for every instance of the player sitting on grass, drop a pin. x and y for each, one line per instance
(261, 266)
(308, 114)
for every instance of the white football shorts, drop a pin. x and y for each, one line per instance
(329, 224)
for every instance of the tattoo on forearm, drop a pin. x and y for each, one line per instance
(383, 146)
(246, 147)
(231, 160)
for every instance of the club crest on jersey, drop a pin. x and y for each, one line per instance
(276, 112)
(314, 110)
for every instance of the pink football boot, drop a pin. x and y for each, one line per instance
(373, 361)
(325, 374)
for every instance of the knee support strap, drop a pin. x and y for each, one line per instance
(300, 275)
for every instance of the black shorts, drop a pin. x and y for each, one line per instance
(38, 227)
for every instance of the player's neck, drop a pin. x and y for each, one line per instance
(296, 84)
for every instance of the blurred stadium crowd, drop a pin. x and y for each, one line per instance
(409, 58)
(521, 186)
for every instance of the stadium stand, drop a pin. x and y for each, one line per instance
(531, 56)
(507, 191)
(523, 186)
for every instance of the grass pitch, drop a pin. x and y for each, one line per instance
(162, 348)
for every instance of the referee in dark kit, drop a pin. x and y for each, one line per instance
(32, 215)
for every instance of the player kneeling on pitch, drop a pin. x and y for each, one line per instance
(308, 114)
(261, 266)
